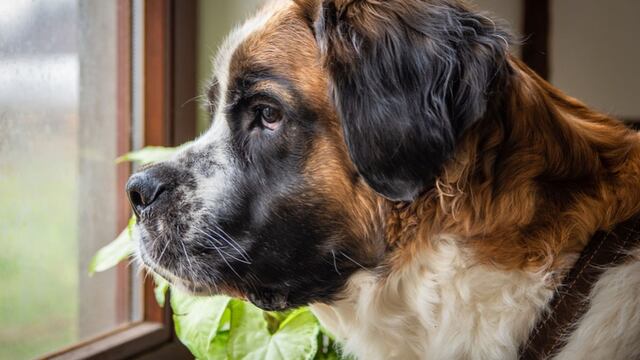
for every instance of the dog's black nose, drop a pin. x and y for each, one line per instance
(143, 189)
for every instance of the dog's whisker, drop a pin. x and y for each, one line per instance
(353, 261)
(232, 242)
(229, 265)
(335, 265)
(230, 255)
(221, 247)
(198, 97)
(146, 275)
(131, 261)
(212, 277)
(252, 280)
(186, 255)
(166, 245)
(218, 248)
(209, 236)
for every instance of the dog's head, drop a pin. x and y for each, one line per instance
(324, 112)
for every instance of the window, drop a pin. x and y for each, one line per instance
(82, 82)
(57, 174)
(74, 93)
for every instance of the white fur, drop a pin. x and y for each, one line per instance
(439, 307)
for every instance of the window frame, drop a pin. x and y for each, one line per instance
(169, 47)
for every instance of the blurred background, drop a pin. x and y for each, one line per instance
(84, 81)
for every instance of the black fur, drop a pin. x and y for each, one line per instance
(408, 77)
(271, 237)
(294, 241)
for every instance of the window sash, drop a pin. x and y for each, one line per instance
(168, 24)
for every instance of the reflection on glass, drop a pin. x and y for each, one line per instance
(48, 225)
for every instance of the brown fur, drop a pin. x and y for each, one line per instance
(530, 183)
(286, 47)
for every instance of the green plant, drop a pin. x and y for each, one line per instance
(220, 327)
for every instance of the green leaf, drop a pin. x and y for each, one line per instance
(327, 348)
(329, 355)
(196, 321)
(225, 322)
(218, 348)
(327, 333)
(250, 338)
(160, 291)
(119, 249)
(150, 154)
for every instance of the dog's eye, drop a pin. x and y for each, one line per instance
(270, 117)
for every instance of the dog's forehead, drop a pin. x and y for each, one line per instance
(237, 36)
(277, 39)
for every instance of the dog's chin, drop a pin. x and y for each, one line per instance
(183, 285)
(192, 289)
(265, 298)
(270, 301)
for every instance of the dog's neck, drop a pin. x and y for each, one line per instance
(529, 184)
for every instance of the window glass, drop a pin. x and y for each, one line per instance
(58, 135)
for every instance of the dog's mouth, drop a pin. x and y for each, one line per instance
(275, 298)
(175, 278)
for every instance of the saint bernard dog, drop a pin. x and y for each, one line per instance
(392, 165)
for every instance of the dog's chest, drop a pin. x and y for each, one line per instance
(439, 307)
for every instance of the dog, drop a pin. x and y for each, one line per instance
(392, 165)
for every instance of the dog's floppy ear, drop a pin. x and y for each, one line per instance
(407, 77)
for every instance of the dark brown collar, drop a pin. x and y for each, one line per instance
(571, 301)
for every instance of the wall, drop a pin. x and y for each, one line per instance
(594, 50)
(595, 53)
(509, 11)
